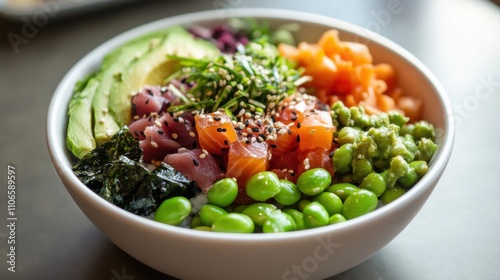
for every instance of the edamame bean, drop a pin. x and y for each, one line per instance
(342, 190)
(203, 228)
(360, 168)
(263, 186)
(331, 202)
(315, 215)
(342, 158)
(420, 167)
(209, 213)
(278, 221)
(398, 119)
(374, 182)
(359, 203)
(289, 193)
(314, 181)
(391, 194)
(258, 212)
(335, 219)
(409, 179)
(239, 208)
(173, 210)
(348, 135)
(234, 222)
(195, 222)
(303, 203)
(223, 192)
(297, 216)
(423, 129)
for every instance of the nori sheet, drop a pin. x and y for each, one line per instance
(113, 170)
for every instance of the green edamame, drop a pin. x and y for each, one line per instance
(359, 203)
(297, 216)
(209, 213)
(336, 219)
(314, 181)
(258, 212)
(360, 168)
(374, 182)
(303, 203)
(263, 186)
(342, 158)
(173, 210)
(279, 221)
(235, 223)
(315, 215)
(342, 190)
(223, 192)
(391, 194)
(331, 202)
(289, 193)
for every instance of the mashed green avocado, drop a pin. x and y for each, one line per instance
(381, 146)
(101, 103)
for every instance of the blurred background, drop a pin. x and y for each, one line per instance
(455, 236)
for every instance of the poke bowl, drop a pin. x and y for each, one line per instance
(309, 250)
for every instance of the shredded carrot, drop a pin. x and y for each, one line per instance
(342, 70)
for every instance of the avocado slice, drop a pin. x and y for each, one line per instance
(105, 126)
(152, 68)
(79, 135)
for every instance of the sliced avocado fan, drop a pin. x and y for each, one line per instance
(101, 103)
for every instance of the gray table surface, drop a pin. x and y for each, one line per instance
(455, 236)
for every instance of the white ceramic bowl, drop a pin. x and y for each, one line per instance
(315, 253)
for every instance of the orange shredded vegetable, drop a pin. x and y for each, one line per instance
(342, 70)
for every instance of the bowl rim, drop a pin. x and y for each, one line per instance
(62, 165)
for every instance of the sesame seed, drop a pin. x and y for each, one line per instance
(154, 144)
(202, 155)
(175, 135)
(192, 134)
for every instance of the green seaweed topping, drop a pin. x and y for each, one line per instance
(113, 170)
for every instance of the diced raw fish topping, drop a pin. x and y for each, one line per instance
(197, 166)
